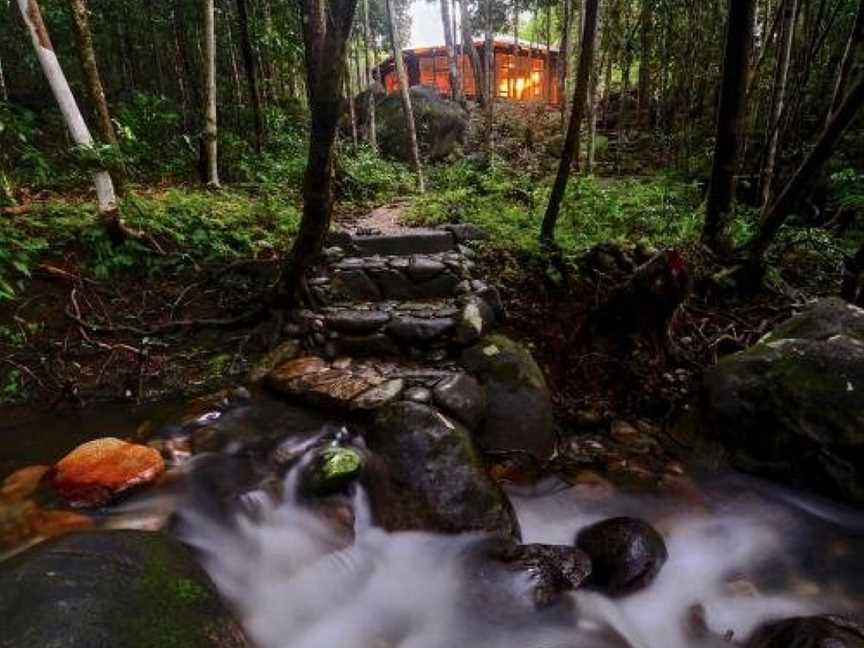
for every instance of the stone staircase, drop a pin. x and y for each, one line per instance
(407, 294)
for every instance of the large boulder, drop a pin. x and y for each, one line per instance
(124, 589)
(425, 474)
(441, 125)
(790, 408)
(519, 414)
(809, 632)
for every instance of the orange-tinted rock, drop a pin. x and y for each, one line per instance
(53, 523)
(96, 472)
(22, 483)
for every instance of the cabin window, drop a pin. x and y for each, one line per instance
(519, 77)
(442, 75)
(427, 71)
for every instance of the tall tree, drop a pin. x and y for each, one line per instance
(571, 143)
(93, 85)
(326, 28)
(778, 98)
(251, 76)
(733, 93)
(211, 133)
(480, 88)
(370, 81)
(106, 200)
(646, 34)
(4, 93)
(774, 217)
(489, 77)
(853, 57)
(449, 42)
(405, 94)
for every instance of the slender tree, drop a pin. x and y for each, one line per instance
(646, 34)
(211, 133)
(480, 89)
(370, 81)
(449, 42)
(4, 93)
(93, 85)
(721, 194)
(404, 92)
(852, 58)
(326, 28)
(251, 76)
(489, 77)
(778, 99)
(106, 200)
(774, 217)
(571, 143)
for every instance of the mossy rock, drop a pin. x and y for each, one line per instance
(519, 414)
(790, 408)
(331, 470)
(425, 474)
(112, 589)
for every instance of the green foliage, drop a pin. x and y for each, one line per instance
(364, 178)
(847, 188)
(510, 208)
(192, 228)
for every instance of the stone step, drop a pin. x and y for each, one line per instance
(407, 241)
(432, 329)
(346, 279)
(369, 384)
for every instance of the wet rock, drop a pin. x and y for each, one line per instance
(379, 396)
(355, 284)
(326, 388)
(492, 297)
(444, 285)
(286, 351)
(462, 397)
(519, 413)
(430, 476)
(423, 268)
(394, 284)
(416, 330)
(418, 394)
(98, 471)
(330, 471)
(475, 319)
(23, 483)
(626, 554)
(125, 589)
(357, 321)
(377, 344)
(809, 632)
(790, 408)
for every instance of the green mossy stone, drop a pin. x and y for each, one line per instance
(331, 470)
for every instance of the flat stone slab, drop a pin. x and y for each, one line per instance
(414, 241)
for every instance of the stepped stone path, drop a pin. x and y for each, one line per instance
(397, 305)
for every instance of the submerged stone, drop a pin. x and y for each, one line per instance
(98, 471)
(331, 470)
(809, 632)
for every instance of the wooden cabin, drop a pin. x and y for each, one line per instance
(521, 72)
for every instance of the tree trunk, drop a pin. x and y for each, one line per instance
(325, 48)
(778, 99)
(468, 46)
(721, 195)
(489, 75)
(646, 23)
(811, 168)
(4, 94)
(210, 127)
(548, 64)
(404, 92)
(564, 55)
(453, 68)
(370, 67)
(93, 84)
(235, 70)
(571, 144)
(251, 77)
(851, 59)
(349, 96)
(105, 199)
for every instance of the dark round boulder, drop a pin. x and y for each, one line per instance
(626, 554)
(441, 125)
(117, 589)
(809, 632)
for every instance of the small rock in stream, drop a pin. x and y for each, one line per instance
(627, 554)
(809, 632)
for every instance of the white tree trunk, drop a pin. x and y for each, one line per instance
(210, 127)
(370, 81)
(4, 95)
(105, 198)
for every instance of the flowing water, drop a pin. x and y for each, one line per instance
(305, 576)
